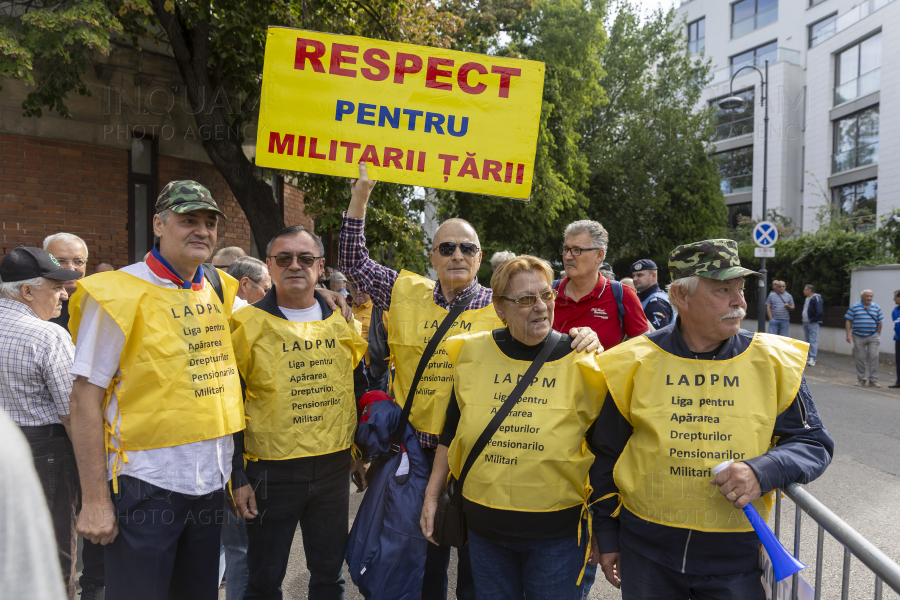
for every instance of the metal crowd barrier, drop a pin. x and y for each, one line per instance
(884, 569)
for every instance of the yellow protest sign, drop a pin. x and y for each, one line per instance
(416, 115)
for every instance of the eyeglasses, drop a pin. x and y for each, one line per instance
(467, 248)
(78, 262)
(286, 260)
(527, 301)
(257, 284)
(575, 250)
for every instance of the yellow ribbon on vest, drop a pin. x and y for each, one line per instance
(538, 461)
(179, 381)
(299, 380)
(413, 319)
(690, 415)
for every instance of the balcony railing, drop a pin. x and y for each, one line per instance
(779, 55)
(737, 184)
(859, 12)
(855, 157)
(758, 20)
(697, 45)
(732, 129)
(859, 87)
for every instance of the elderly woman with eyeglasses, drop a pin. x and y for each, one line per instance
(526, 498)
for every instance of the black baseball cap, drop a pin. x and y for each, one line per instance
(28, 263)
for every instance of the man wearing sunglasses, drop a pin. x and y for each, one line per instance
(302, 368)
(417, 306)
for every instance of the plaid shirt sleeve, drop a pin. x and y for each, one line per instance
(55, 367)
(354, 262)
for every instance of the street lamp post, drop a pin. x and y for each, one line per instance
(731, 103)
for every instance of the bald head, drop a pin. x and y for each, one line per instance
(455, 230)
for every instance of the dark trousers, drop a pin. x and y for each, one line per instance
(92, 566)
(437, 561)
(54, 460)
(644, 579)
(322, 509)
(168, 544)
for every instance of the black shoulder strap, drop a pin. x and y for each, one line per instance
(508, 405)
(618, 294)
(212, 274)
(430, 349)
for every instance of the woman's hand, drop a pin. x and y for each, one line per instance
(585, 340)
(426, 522)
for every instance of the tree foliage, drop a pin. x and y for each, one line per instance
(652, 184)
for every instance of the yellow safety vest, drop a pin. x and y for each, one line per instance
(299, 378)
(414, 318)
(179, 377)
(691, 415)
(538, 461)
(363, 314)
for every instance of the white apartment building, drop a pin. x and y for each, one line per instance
(834, 103)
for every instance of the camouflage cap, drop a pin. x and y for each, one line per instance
(184, 196)
(713, 259)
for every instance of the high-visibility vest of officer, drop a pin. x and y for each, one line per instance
(685, 399)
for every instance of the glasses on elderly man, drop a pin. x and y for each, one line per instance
(526, 301)
(575, 250)
(64, 262)
(286, 260)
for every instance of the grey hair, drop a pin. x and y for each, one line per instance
(65, 238)
(13, 289)
(337, 276)
(867, 292)
(247, 266)
(687, 284)
(229, 253)
(599, 235)
(296, 230)
(501, 257)
(164, 215)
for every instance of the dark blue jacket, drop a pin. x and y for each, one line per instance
(801, 455)
(307, 468)
(658, 311)
(816, 309)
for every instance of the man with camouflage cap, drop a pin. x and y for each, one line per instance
(685, 399)
(156, 399)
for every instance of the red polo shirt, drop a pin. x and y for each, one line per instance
(598, 311)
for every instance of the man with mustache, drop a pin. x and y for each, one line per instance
(154, 406)
(35, 357)
(685, 399)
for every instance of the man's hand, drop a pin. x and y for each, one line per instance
(97, 522)
(585, 340)
(609, 564)
(335, 300)
(738, 483)
(426, 522)
(244, 504)
(362, 467)
(595, 551)
(849, 339)
(359, 193)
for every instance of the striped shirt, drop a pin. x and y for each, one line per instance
(865, 319)
(777, 302)
(35, 358)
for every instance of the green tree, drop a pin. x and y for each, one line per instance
(652, 184)
(568, 37)
(217, 46)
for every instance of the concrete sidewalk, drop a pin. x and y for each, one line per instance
(841, 369)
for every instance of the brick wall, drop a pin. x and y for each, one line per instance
(48, 186)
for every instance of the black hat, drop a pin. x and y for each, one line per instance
(644, 265)
(29, 263)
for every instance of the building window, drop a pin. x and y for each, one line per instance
(756, 56)
(736, 170)
(748, 15)
(141, 195)
(822, 30)
(734, 122)
(697, 36)
(858, 202)
(858, 70)
(814, 2)
(737, 211)
(856, 141)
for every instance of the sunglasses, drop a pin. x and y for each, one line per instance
(286, 260)
(467, 249)
(526, 301)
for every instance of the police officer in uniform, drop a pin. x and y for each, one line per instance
(156, 399)
(301, 365)
(685, 399)
(654, 301)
